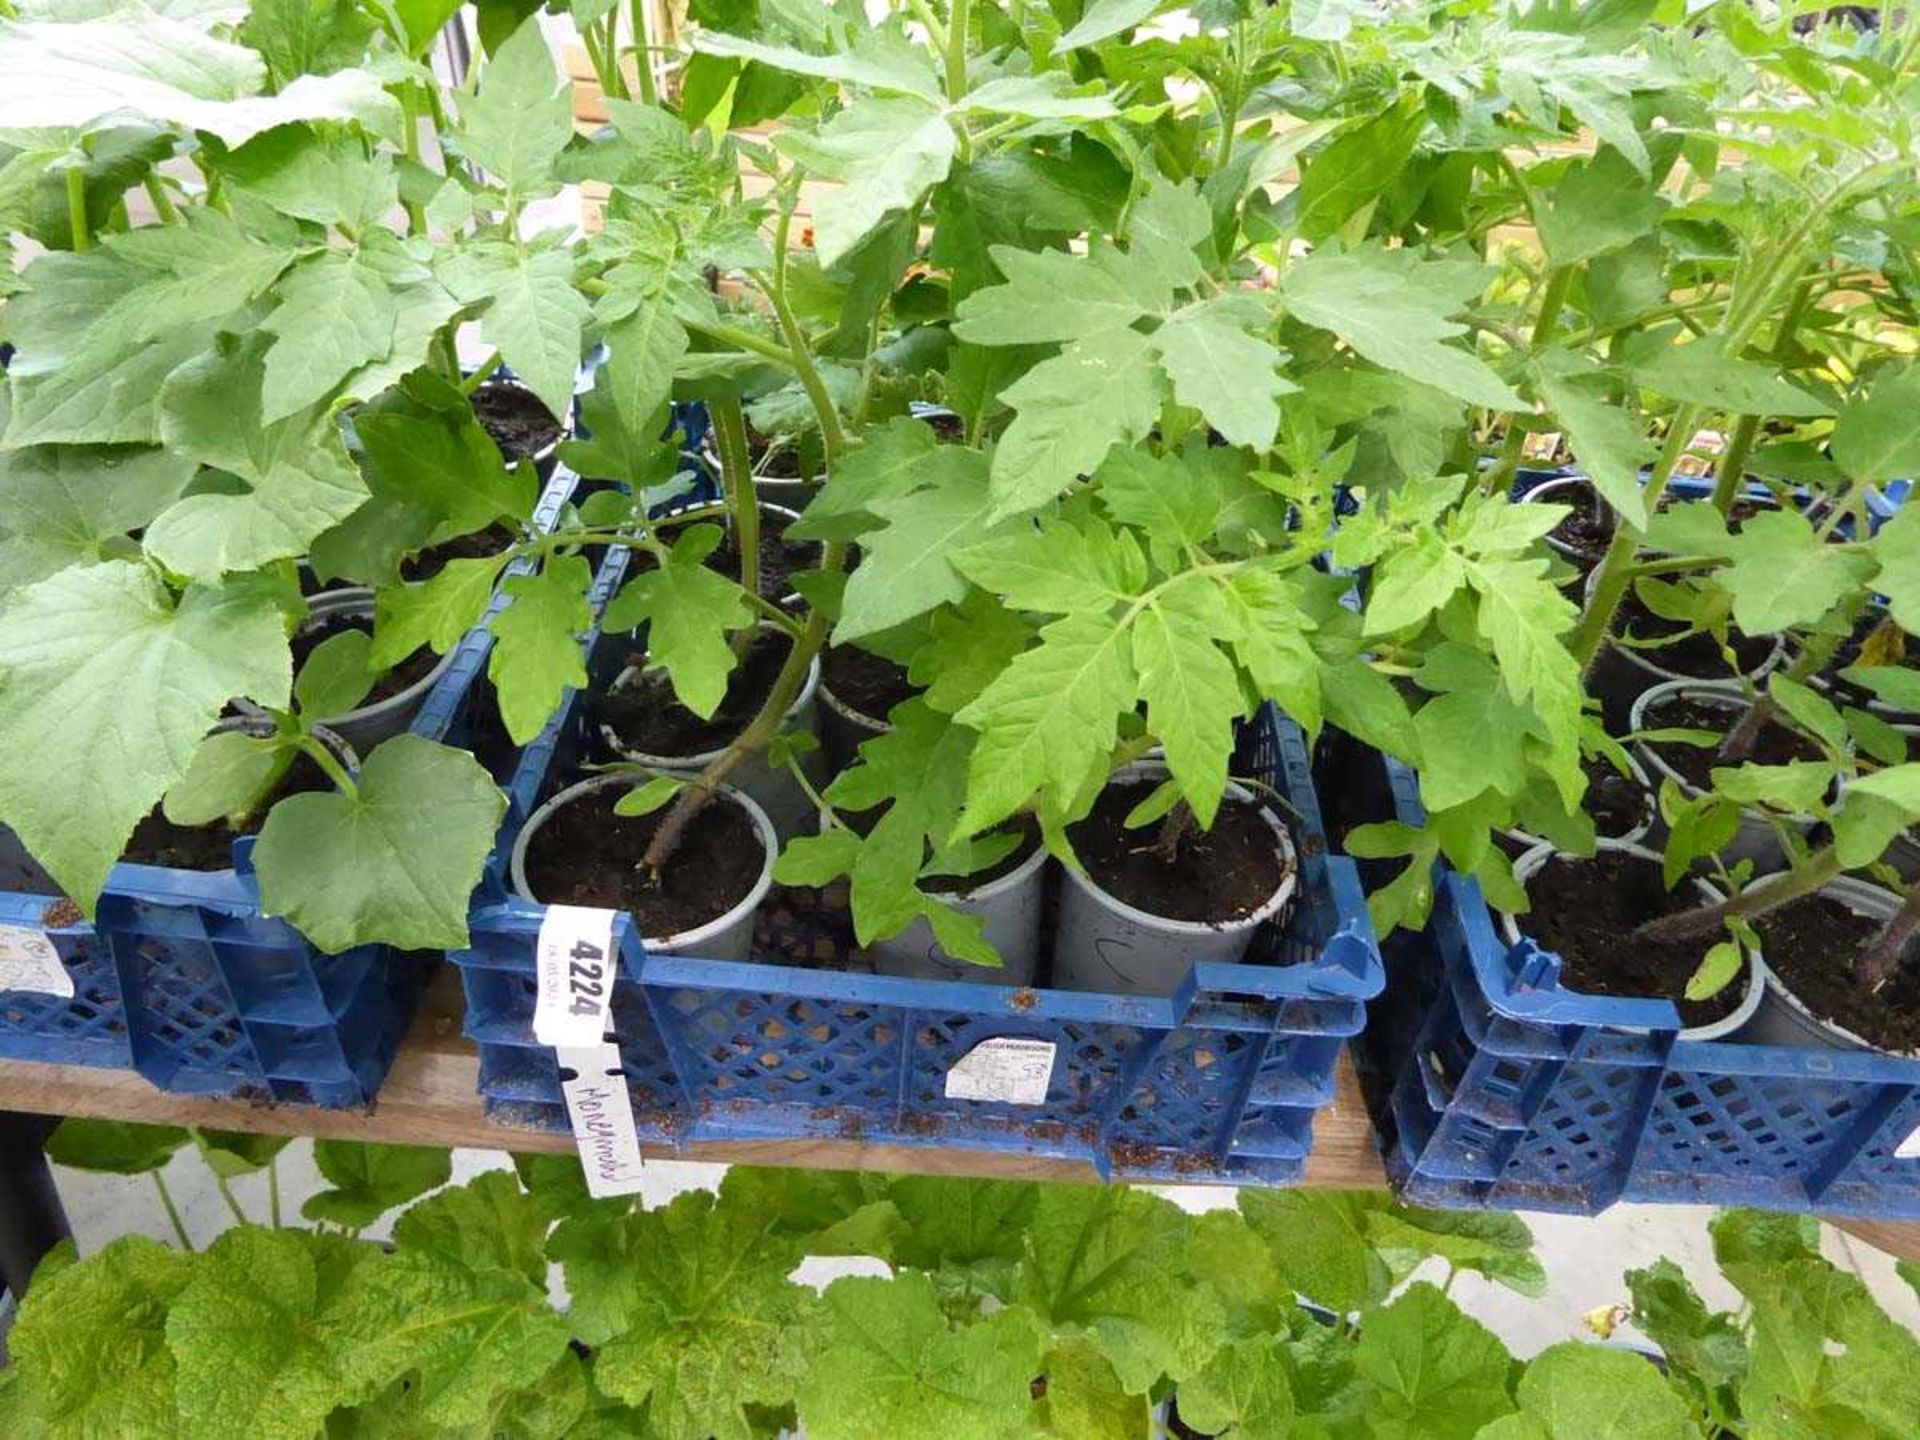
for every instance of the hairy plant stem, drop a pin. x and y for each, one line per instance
(173, 1212)
(1733, 465)
(1546, 325)
(1882, 957)
(1741, 739)
(328, 762)
(1820, 868)
(956, 61)
(1173, 832)
(643, 53)
(77, 209)
(481, 375)
(163, 205)
(743, 505)
(226, 1194)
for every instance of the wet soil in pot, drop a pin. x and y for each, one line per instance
(864, 681)
(1697, 656)
(1776, 745)
(780, 559)
(475, 545)
(1811, 944)
(1222, 875)
(584, 854)
(516, 420)
(1588, 530)
(1585, 911)
(158, 841)
(645, 715)
(408, 673)
(1616, 802)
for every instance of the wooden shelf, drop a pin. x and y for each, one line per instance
(429, 1098)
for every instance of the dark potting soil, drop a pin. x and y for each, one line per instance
(784, 464)
(475, 545)
(1029, 833)
(1776, 745)
(1697, 656)
(1616, 802)
(780, 558)
(645, 715)
(1811, 944)
(948, 427)
(586, 855)
(1224, 874)
(158, 841)
(864, 681)
(409, 672)
(516, 420)
(1588, 530)
(1586, 910)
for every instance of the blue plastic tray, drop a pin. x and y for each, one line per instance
(1218, 1081)
(1497, 1088)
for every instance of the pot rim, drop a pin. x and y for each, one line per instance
(995, 888)
(1546, 489)
(1142, 771)
(1529, 864)
(1862, 897)
(1776, 655)
(1713, 692)
(681, 763)
(358, 600)
(547, 451)
(686, 941)
(1633, 836)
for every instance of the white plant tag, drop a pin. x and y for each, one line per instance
(1007, 1068)
(28, 961)
(1909, 1148)
(575, 969)
(602, 1117)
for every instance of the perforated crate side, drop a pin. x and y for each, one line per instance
(89, 1029)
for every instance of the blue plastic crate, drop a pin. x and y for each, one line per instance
(182, 979)
(1218, 1081)
(1495, 1087)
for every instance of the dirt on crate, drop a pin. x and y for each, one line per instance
(1811, 944)
(1221, 875)
(515, 420)
(1776, 744)
(647, 718)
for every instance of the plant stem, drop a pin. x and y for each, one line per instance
(643, 53)
(1819, 868)
(1881, 958)
(77, 208)
(163, 205)
(746, 340)
(1727, 480)
(956, 65)
(273, 1190)
(173, 1214)
(226, 1194)
(481, 375)
(329, 762)
(736, 483)
(1173, 830)
(1741, 739)
(1546, 325)
(832, 438)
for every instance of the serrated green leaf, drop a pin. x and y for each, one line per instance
(1598, 206)
(1318, 1239)
(230, 775)
(1523, 615)
(881, 60)
(522, 116)
(1058, 568)
(1191, 690)
(642, 351)
(335, 315)
(534, 317)
(1357, 168)
(688, 610)
(1104, 19)
(328, 181)
(1242, 1392)
(891, 1365)
(1897, 548)
(1579, 1391)
(536, 656)
(1606, 439)
(906, 568)
(1704, 1349)
(1704, 374)
(107, 680)
(370, 1180)
(830, 1212)
(488, 1223)
(1783, 574)
(61, 504)
(885, 151)
(1085, 1399)
(438, 611)
(891, 461)
(113, 1147)
(1070, 412)
(1498, 1246)
(1050, 295)
(1431, 1372)
(229, 1153)
(202, 269)
(1221, 365)
(1878, 437)
(441, 463)
(968, 645)
(396, 861)
(1899, 784)
(1412, 584)
(1046, 96)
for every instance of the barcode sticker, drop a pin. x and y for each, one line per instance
(602, 1118)
(29, 961)
(1909, 1148)
(1007, 1068)
(574, 973)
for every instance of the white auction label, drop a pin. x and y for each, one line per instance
(575, 969)
(602, 1117)
(1909, 1148)
(29, 961)
(1007, 1068)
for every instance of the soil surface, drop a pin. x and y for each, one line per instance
(1585, 911)
(1222, 875)
(1587, 532)
(1811, 944)
(785, 464)
(645, 715)
(1697, 656)
(516, 420)
(1616, 802)
(409, 672)
(475, 545)
(780, 558)
(950, 428)
(1029, 833)
(864, 681)
(1776, 744)
(586, 855)
(158, 841)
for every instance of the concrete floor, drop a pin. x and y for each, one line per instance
(1584, 1259)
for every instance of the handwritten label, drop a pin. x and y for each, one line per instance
(602, 1117)
(575, 970)
(1909, 1148)
(28, 961)
(1007, 1068)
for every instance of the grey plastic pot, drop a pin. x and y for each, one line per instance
(1783, 1019)
(716, 510)
(1104, 944)
(1632, 837)
(1555, 491)
(1755, 840)
(1009, 908)
(365, 727)
(1528, 865)
(843, 729)
(1621, 674)
(725, 937)
(774, 790)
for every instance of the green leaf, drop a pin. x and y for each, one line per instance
(1796, 787)
(1060, 567)
(647, 798)
(1899, 784)
(1704, 1349)
(1490, 1243)
(522, 117)
(534, 317)
(1051, 295)
(61, 504)
(968, 646)
(109, 682)
(1523, 615)
(393, 862)
(1716, 971)
(488, 1223)
(1050, 719)
(536, 656)
(1085, 1399)
(438, 611)
(299, 481)
(336, 675)
(1047, 96)
(892, 1365)
(1221, 365)
(229, 1153)
(1243, 1392)
(307, 37)
(1704, 374)
(1579, 1391)
(897, 458)
(1110, 1264)
(1357, 168)
(1783, 574)
(688, 610)
(335, 315)
(1318, 1239)
(369, 1180)
(1393, 307)
(1865, 826)
(885, 152)
(1170, 498)
(906, 568)
(960, 1225)
(1878, 437)
(830, 1212)
(330, 181)
(709, 1323)
(1598, 206)
(113, 1147)
(1410, 585)
(641, 353)
(1072, 410)
(1191, 690)
(1897, 548)
(230, 775)
(442, 463)
(1104, 19)
(1431, 1372)
(202, 269)
(880, 60)
(1606, 438)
